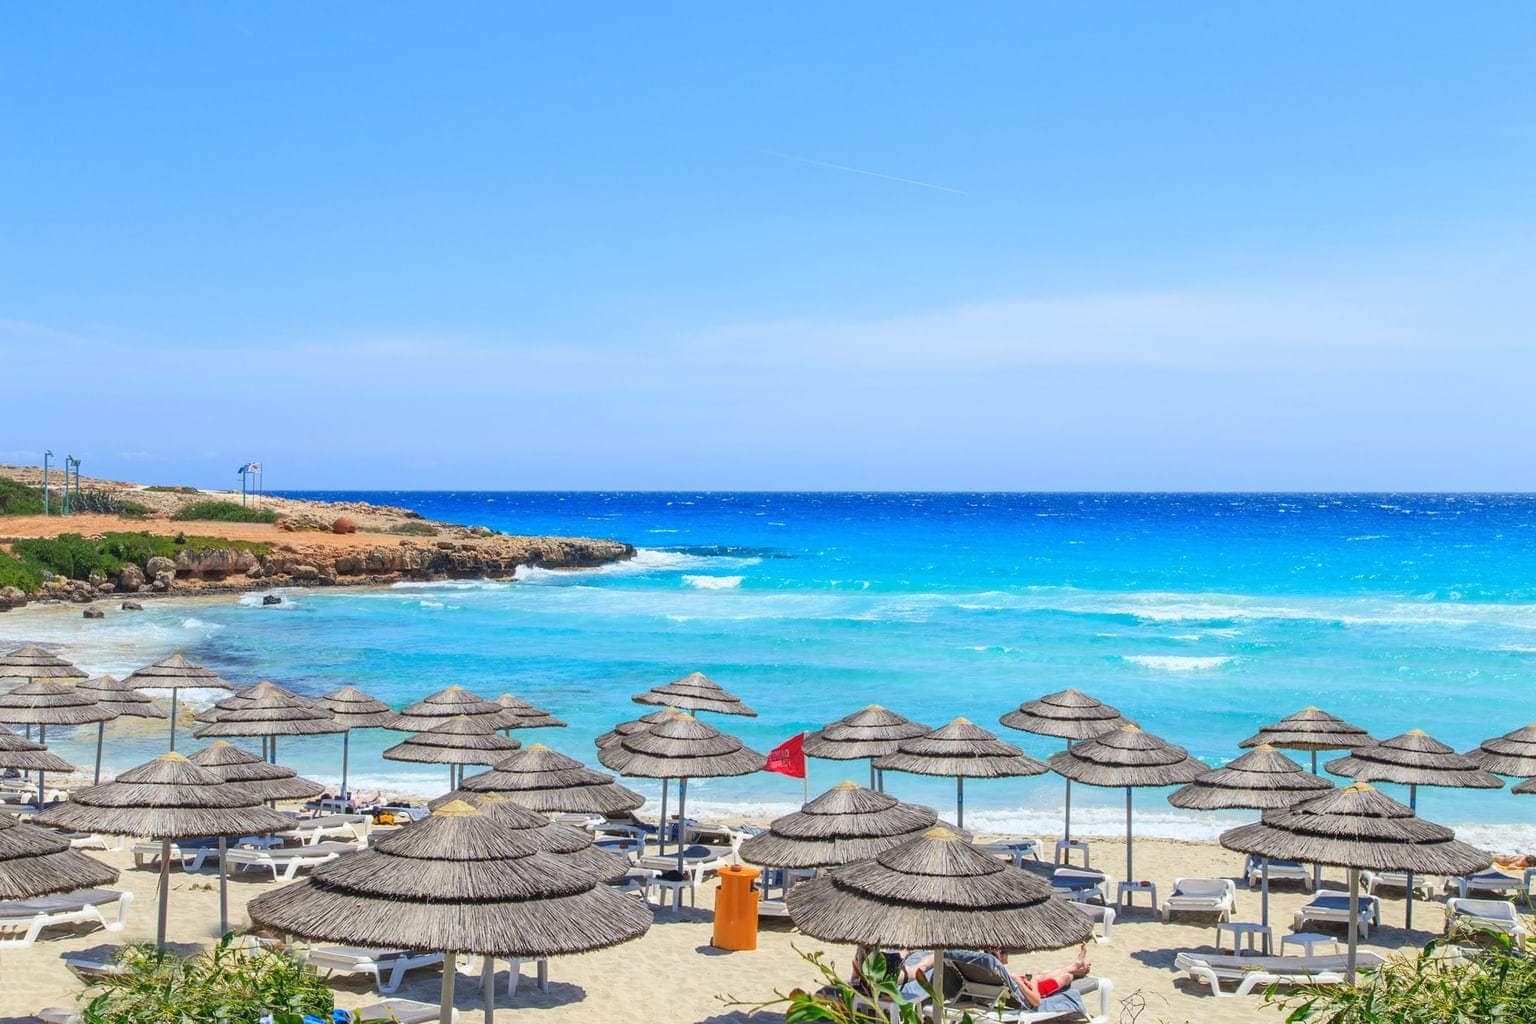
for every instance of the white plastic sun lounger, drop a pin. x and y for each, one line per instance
(1014, 850)
(310, 831)
(1103, 916)
(1259, 972)
(1493, 915)
(192, 853)
(387, 966)
(403, 1011)
(1491, 880)
(1081, 884)
(84, 906)
(1333, 907)
(1370, 881)
(1279, 871)
(1202, 895)
(982, 988)
(286, 862)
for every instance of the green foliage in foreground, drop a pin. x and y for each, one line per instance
(100, 501)
(76, 557)
(169, 489)
(414, 529)
(838, 1002)
(18, 574)
(222, 512)
(1493, 984)
(17, 499)
(223, 984)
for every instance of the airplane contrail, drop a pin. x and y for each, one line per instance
(860, 170)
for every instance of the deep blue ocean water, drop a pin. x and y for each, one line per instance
(1201, 616)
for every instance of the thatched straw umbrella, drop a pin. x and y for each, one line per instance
(243, 770)
(1069, 715)
(455, 742)
(1261, 780)
(517, 713)
(682, 748)
(1525, 788)
(1357, 827)
(960, 750)
(1310, 729)
(42, 702)
(545, 780)
(936, 892)
(458, 881)
(30, 662)
(695, 692)
(167, 799)
(577, 844)
(36, 862)
(1414, 759)
(26, 756)
(1127, 758)
(176, 673)
(612, 737)
(1512, 754)
(119, 696)
(242, 699)
(842, 825)
(869, 732)
(355, 709)
(270, 715)
(449, 702)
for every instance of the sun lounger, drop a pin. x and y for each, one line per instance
(340, 826)
(1492, 915)
(387, 966)
(403, 1011)
(1279, 871)
(286, 862)
(1080, 883)
(1013, 850)
(192, 853)
(83, 906)
(1103, 916)
(698, 863)
(1333, 907)
(986, 982)
(1492, 880)
(1370, 881)
(1259, 972)
(1202, 895)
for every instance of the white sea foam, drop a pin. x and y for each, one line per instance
(200, 624)
(1175, 663)
(254, 599)
(450, 585)
(713, 582)
(646, 560)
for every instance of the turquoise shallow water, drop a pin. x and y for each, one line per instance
(1202, 616)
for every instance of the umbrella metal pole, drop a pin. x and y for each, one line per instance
(682, 842)
(1354, 923)
(872, 783)
(273, 747)
(346, 743)
(42, 737)
(661, 827)
(936, 979)
(165, 891)
(101, 735)
(223, 888)
(488, 986)
(1066, 829)
(174, 692)
(445, 998)
(960, 801)
(1130, 877)
(1413, 805)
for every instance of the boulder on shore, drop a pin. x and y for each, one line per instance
(131, 606)
(271, 599)
(94, 613)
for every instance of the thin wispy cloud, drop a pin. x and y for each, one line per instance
(864, 171)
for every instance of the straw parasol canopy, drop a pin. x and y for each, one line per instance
(936, 892)
(36, 862)
(272, 714)
(1357, 827)
(248, 773)
(120, 696)
(551, 836)
(680, 747)
(355, 709)
(176, 673)
(640, 724)
(458, 881)
(1514, 753)
(1310, 729)
(26, 756)
(842, 825)
(1525, 788)
(1067, 714)
(1414, 759)
(1259, 780)
(695, 692)
(43, 703)
(457, 740)
(168, 798)
(245, 695)
(869, 732)
(960, 750)
(1127, 758)
(31, 661)
(517, 713)
(449, 702)
(545, 780)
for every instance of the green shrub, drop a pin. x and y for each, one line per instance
(17, 499)
(222, 512)
(68, 554)
(168, 489)
(16, 573)
(100, 501)
(222, 984)
(414, 529)
(1490, 984)
(76, 557)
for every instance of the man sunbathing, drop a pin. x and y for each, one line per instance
(1050, 990)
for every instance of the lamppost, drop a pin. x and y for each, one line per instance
(47, 454)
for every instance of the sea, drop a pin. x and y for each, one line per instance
(1201, 616)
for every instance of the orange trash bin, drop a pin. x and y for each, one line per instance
(736, 908)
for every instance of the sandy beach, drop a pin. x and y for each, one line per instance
(673, 975)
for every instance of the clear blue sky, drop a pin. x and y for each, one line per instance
(1004, 246)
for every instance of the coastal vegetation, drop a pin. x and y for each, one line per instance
(17, 499)
(172, 489)
(224, 983)
(21, 575)
(78, 558)
(222, 512)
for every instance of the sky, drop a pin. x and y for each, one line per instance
(1008, 246)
